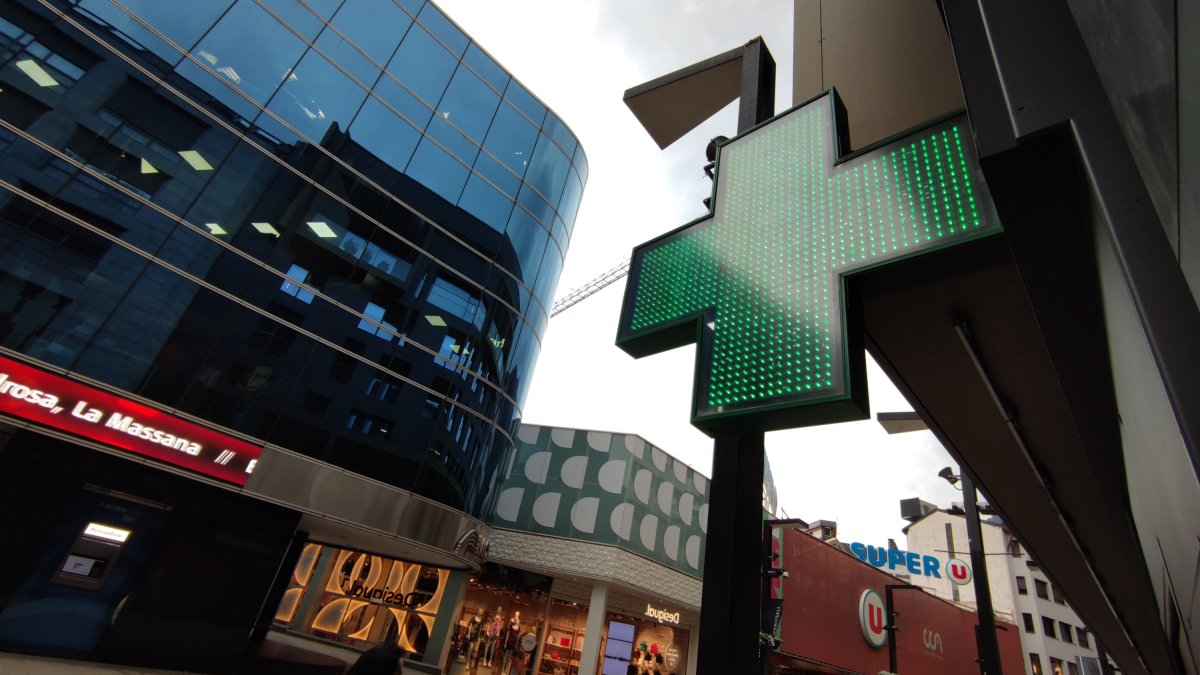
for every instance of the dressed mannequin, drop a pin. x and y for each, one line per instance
(475, 635)
(493, 636)
(508, 641)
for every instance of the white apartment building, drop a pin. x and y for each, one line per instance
(1054, 639)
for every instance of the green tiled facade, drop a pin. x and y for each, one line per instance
(606, 488)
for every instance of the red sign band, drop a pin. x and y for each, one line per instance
(38, 396)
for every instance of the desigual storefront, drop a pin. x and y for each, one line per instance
(593, 567)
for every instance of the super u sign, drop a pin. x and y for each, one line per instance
(759, 282)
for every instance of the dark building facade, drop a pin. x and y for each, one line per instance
(294, 259)
(1056, 362)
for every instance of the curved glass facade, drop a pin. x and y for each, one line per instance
(335, 226)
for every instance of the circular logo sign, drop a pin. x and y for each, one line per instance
(528, 642)
(958, 571)
(872, 617)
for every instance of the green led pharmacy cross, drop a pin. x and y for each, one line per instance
(759, 282)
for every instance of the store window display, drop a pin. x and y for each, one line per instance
(497, 630)
(655, 649)
(361, 599)
(564, 639)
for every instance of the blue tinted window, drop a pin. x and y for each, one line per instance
(498, 175)
(423, 64)
(568, 207)
(581, 164)
(469, 104)
(452, 298)
(375, 312)
(525, 102)
(483, 64)
(535, 205)
(555, 128)
(482, 201)
(524, 352)
(528, 239)
(413, 6)
(349, 58)
(298, 16)
(296, 275)
(249, 49)
(452, 140)
(444, 29)
(560, 234)
(548, 278)
(511, 139)
(439, 172)
(315, 95)
(374, 25)
(399, 98)
(548, 169)
(183, 22)
(385, 135)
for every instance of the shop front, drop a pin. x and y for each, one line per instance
(360, 599)
(503, 615)
(641, 646)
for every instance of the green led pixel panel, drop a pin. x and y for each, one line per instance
(759, 281)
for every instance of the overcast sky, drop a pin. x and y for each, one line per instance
(579, 57)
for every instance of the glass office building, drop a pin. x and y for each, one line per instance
(293, 257)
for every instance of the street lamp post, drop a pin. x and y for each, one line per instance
(891, 620)
(985, 632)
(770, 572)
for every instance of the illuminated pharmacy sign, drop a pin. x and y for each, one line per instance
(54, 401)
(759, 282)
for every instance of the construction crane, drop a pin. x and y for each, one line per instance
(585, 291)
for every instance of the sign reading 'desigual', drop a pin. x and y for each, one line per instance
(662, 615)
(913, 563)
(54, 401)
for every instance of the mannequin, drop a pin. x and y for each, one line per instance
(493, 636)
(508, 641)
(475, 634)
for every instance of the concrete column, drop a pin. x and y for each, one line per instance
(693, 651)
(438, 647)
(597, 610)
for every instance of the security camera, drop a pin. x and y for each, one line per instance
(785, 574)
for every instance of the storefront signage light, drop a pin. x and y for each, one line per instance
(759, 284)
(911, 563)
(872, 618)
(57, 402)
(662, 615)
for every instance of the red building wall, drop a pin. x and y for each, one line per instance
(821, 617)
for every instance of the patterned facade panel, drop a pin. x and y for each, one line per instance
(606, 488)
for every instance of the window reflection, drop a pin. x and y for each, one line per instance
(314, 96)
(348, 57)
(384, 134)
(548, 169)
(300, 17)
(182, 22)
(528, 239)
(488, 69)
(457, 301)
(469, 104)
(438, 171)
(525, 102)
(247, 49)
(361, 21)
(511, 139)
(423, 64)
(40, 66)
(443, 29)
(485, 203)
